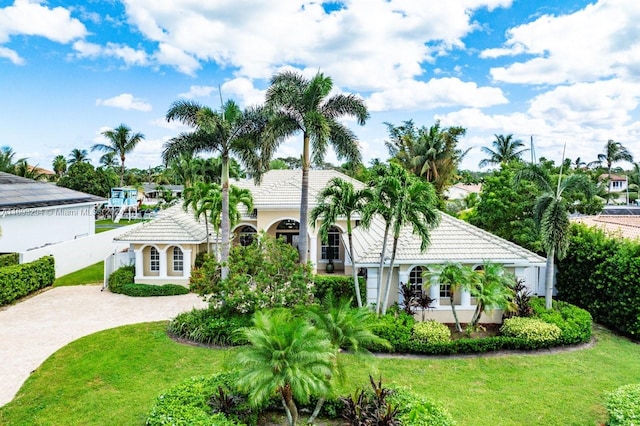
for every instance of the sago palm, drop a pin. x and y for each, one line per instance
(339, 199)
(302, 105)
(285, 356)
(121, 141)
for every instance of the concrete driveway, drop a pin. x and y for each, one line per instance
(34, 329)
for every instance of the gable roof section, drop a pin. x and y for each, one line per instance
(281, 189)
(173, 225)
(452, 241)
(21, 193)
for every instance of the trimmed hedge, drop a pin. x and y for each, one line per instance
(396, 328)
(574, 322)
(623, 406)
(340, 285)
(9, 259)
(530, 329)
(148, 290)
(601, 275)
(120, 277)
(21, 280)
(431, 331)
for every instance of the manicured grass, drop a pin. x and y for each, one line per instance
(104, 225)
(93, 274)
(114, 376)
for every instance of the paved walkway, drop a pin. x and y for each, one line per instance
(34, 329)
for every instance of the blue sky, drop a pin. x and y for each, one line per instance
(562, 72)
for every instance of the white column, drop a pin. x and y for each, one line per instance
(465, 298)
(313, 252)
(403, 278)
(434, 293)
(163, 263)
(139, 263)
(372, 286)
(186, 262)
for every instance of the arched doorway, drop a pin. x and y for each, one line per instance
(289, 231)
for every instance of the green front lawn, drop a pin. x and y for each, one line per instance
(93, 274)
(114, 376)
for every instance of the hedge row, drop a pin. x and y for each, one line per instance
(21, 280)
(9, 259)
(601, 274)
(120, 277)
(121, 282)
(340, 286)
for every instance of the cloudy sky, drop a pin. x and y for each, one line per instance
(558, 71)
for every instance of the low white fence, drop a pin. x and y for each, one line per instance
(74, 255)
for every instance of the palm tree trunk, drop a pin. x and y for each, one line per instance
(121, 171)
(548, 294)
(224, 221)
(289, 405)
(453, 309)
(206, 227)
(315, 413)
(381, 267)
(304, 202)
(354, 273)
(385, 302)
(476, 315)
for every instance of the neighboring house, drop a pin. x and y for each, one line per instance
(177, 236)
(625, 226)
(153, 192)
(34, 214)
(617, 184)
(460, 191)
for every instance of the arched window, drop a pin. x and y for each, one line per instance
(331, 249)
(415, 280)
(154, 260)
(178, 259)
(246, 234)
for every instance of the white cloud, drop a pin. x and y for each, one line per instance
(31, 18)
(171, 55)
(173, 125)
(243, 91)
(12, 55)
(129, 55)
(125, 101)
(197, 92)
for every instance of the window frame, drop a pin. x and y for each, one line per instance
(154, 260)
(178, 259)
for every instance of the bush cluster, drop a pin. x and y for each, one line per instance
(9, 259)
(120, 277)
(21, 280)
(396, 328)
(209, 326)
(575, 323)
(600, 274)
(532, 329)
(431, 331)
(341, 287)
(623, 406)
(148, 290)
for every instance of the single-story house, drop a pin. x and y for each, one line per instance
(460, 191)
(34, 214)
(176, 236)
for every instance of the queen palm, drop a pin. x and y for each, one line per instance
(551, 214)
(121, 142)
(78, 155)
(505, 149)
(229, 132)
(285, 355)
(339, 199)
(304, 105)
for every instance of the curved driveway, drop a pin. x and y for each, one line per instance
(34, 329)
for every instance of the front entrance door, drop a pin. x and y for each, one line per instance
(289, 237)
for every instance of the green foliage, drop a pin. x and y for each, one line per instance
(189, 404)
(431, 331)
(531, 329)
(21, 280)
(9, 259)
(83, 177)
(417, 410)
(623, 406)
(120, 277)
(574, 322)
(265, 274)
(395, 328)
(148, 290)
(340, 287)
(209, 326)
(601, 275)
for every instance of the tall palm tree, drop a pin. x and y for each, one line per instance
(551, 213)
(415, 206)
(493, 289)
(339, 199)
(121, 142)
(303, 105)
(78, 156)
(614, 152)
(286, 355)
(202, 197)
(229, 132)
(456, 276)
(7, 160)
(59, 164)
(109, 160)
(505, 149)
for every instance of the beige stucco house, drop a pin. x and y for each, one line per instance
(165, 249)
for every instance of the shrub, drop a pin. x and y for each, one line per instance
(623, 406)
(147, 290)
(209, 326)
(416, 410)
(575, 323)
(395, 327)
(431, 331)
(120, 277)
(341, 287)
(9, 259)
(532, 329)
(21, 280)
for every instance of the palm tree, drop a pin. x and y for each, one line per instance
(121, 142)
(286, 355)
(551, 213)
(59, 164)
(302, 105)
(7, 160)
(493, 289)
(339, 199)
(456, 277)
(229, 132)
(505, 149)
(186, 169)
(614, 152)
(415, 205)
(22, 168)
(109, 160)
(238, 196)
(78, 156)
(202, 197)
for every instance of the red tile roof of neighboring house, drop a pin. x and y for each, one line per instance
(625, 226)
